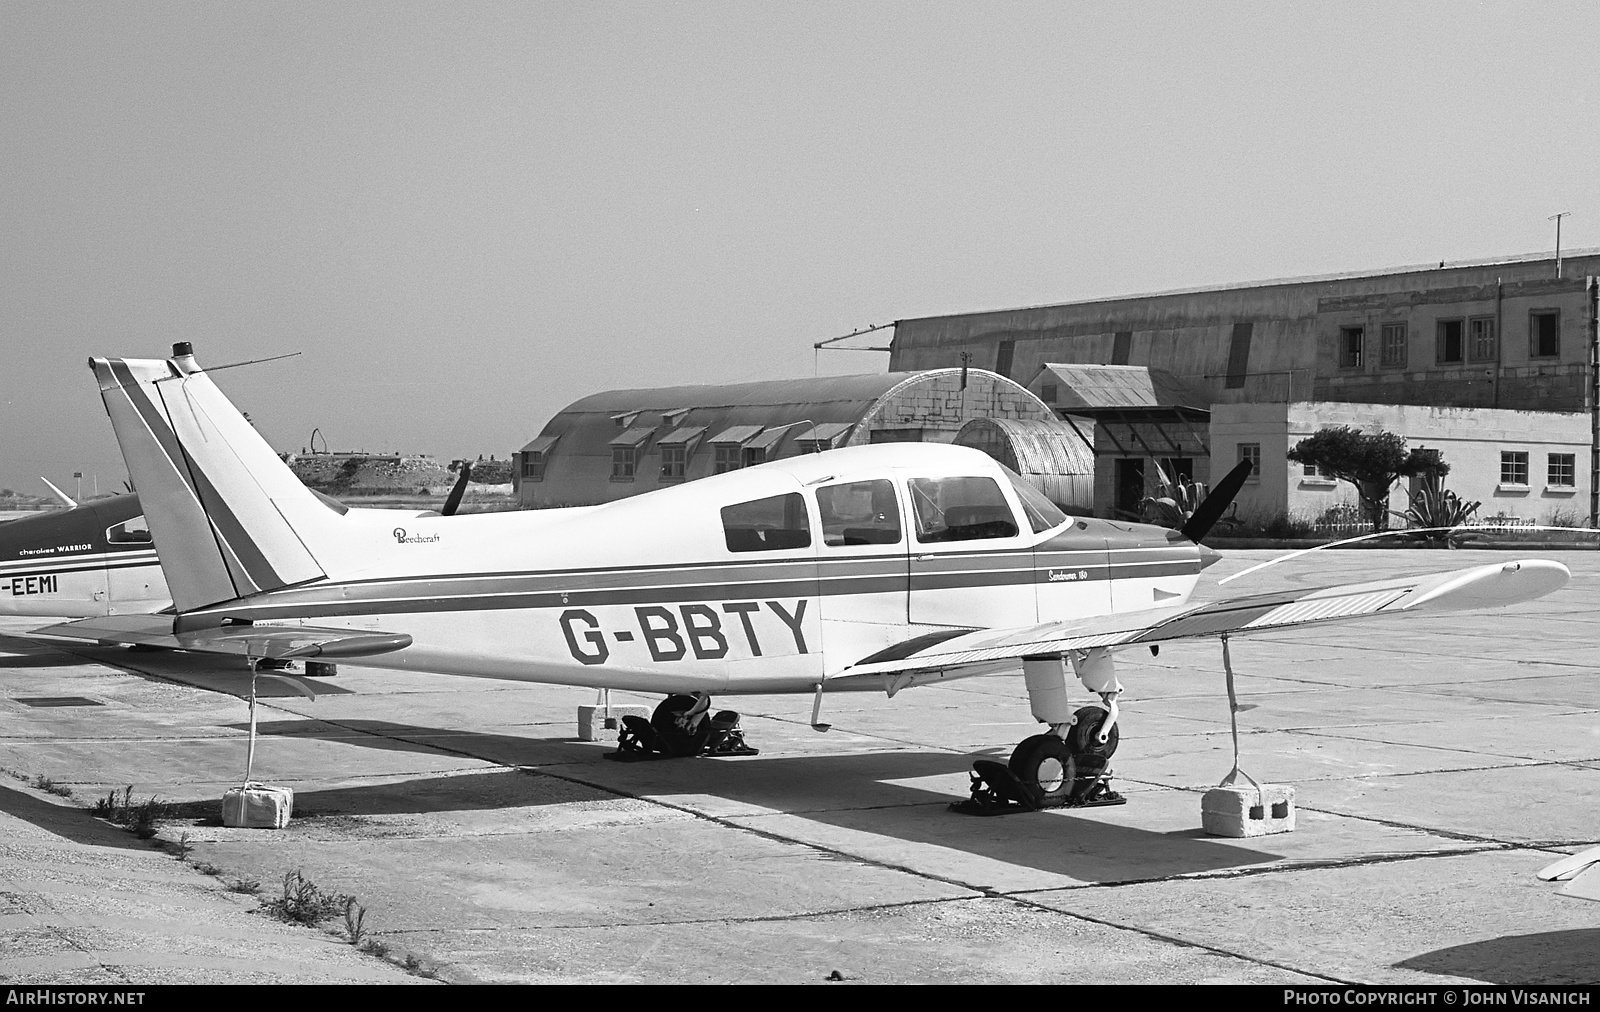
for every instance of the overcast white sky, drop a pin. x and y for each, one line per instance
(468, 215)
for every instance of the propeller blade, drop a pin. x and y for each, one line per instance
(1209, 512)
(454, 499)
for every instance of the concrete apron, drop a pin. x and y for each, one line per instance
(483, 838)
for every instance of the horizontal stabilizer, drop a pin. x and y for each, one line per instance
(1570, 866)
(280, 642)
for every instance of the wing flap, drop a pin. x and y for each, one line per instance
(1494, 585)
(279, 642)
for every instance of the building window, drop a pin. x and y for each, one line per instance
(1252, 453)
(754, 455)
(1350, 341)
(533, 466)
(1562, 470)
(1310, 471)
(1513, 467)
(1544, 333)
(1394, 345)
(727, 458)
(1047, 393)
(1450, 343)
(674, 462)
(623, 461)
(1481, 339)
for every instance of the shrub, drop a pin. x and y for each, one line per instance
(1433, 507)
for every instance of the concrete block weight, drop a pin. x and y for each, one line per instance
(1244, 811)
(594, 725)
(257, 806)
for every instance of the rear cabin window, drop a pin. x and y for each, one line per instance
(134, 531)
(960, 509)
(767, 525)
(859, 513)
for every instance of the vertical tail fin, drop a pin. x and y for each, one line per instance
(215, 493)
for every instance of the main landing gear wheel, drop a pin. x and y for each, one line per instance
(1046, 771)
(681, 726)
(1046, 768)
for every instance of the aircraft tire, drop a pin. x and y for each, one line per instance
(1046, 767)
(671, 736)
(1084, 738)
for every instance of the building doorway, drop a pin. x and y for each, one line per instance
(1130, 485)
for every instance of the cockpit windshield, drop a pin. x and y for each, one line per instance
(1042, 513)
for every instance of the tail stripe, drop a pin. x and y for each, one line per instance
(244, 563)
(236, 540)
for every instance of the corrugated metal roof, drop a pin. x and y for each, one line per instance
(738, 434)
(680, 436)
(816, 390)
(633, 436)
(1086, 385)
(1307, 279)
(1103, 386)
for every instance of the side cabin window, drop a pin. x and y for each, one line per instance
(767, 525)
(859, 513)
(960, 509)
(129, 532)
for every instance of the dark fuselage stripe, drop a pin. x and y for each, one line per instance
(425, 595)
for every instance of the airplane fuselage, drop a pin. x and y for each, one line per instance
(771, 579)
(90, 560)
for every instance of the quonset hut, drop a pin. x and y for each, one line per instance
(623, 442)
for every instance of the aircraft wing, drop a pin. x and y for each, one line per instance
(959, 653)
(279, 642)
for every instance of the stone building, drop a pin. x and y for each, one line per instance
(1497, 334)
(1499, 348)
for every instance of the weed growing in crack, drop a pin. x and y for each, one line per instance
(138, 818)
(303, 902)
(355, 916)
(44, 783)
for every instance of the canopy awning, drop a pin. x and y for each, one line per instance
(681, 436)
(633, 436)
(737, 434)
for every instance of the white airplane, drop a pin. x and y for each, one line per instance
(873, 568)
